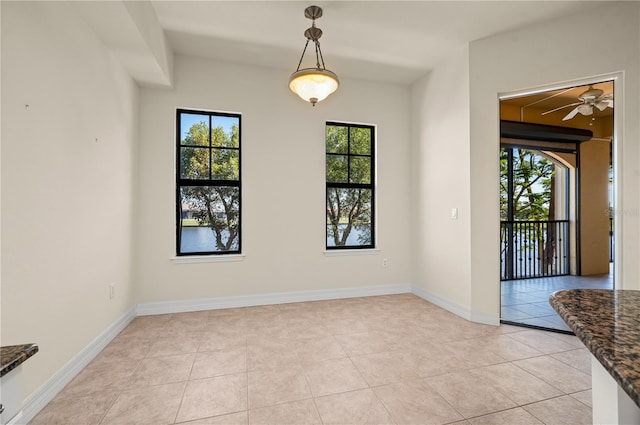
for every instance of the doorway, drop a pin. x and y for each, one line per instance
(556, 183)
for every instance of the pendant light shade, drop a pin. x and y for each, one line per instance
(313, 84)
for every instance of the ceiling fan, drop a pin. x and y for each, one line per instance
(588, 100)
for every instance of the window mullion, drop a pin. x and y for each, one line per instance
(210, 146)
(348, 154)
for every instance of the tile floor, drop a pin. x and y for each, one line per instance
(527, 300)
(378, 360)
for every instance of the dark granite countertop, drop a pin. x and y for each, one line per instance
(608, 323)
(13, 356)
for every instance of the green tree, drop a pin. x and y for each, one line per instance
(214, 206)
(346, 209)
(348, 165)
(533, 200)
(533, 186)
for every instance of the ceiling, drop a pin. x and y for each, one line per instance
(530, 108)
(388, 41)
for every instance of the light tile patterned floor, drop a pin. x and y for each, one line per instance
(527, 300)
(378, 360)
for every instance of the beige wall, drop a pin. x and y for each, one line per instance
(283, 185)
(594, 207)
(534, 57)
(67, 199)
(440, 178)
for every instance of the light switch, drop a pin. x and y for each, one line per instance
(454, 213)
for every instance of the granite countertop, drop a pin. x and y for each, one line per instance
(13, 356)
(608, 323)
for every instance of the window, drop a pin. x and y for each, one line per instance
(350, 185)
(207, 183)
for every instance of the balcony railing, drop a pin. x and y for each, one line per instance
(534, 249)
(611, 241)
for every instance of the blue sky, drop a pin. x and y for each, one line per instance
(188, 120)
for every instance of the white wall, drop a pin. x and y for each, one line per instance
(554, 52)
(283, 185)
(67, 199)
(440, 177)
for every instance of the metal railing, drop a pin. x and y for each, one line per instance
(611, 241)
(537, 248)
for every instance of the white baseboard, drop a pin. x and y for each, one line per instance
(182, 306)
(17, 419)
(441, 302)
(454, 308)
(485, 319)
(43, 395)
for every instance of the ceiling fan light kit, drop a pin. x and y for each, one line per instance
(313, 84)
(588, 99)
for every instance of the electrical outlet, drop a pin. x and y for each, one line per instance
(385, 263)
(112, 291)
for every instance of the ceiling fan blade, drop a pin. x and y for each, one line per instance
(606, 96)
(571, 114)
(603, 104)
(562, 107)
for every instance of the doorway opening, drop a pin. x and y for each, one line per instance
(556, 199)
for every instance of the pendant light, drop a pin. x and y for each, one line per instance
(313, 84)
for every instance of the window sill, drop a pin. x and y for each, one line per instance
(189, 259)
(348, 252)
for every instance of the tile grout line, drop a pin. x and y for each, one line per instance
(186, 384)
(386, 408)
(313, 397)
(246, 371)
(545, 381)
(113, 402)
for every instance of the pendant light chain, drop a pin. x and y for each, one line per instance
(302, 57)
(318, 51)
(313, 84)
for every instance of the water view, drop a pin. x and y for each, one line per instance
(202, 239)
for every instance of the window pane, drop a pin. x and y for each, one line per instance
(360, 170)
(225, 131)
(337, 140)
(337, 168)
(210, 218)
(194, 129)
(360, 140)
(225, 164)
(348, 217)
(194, 163)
